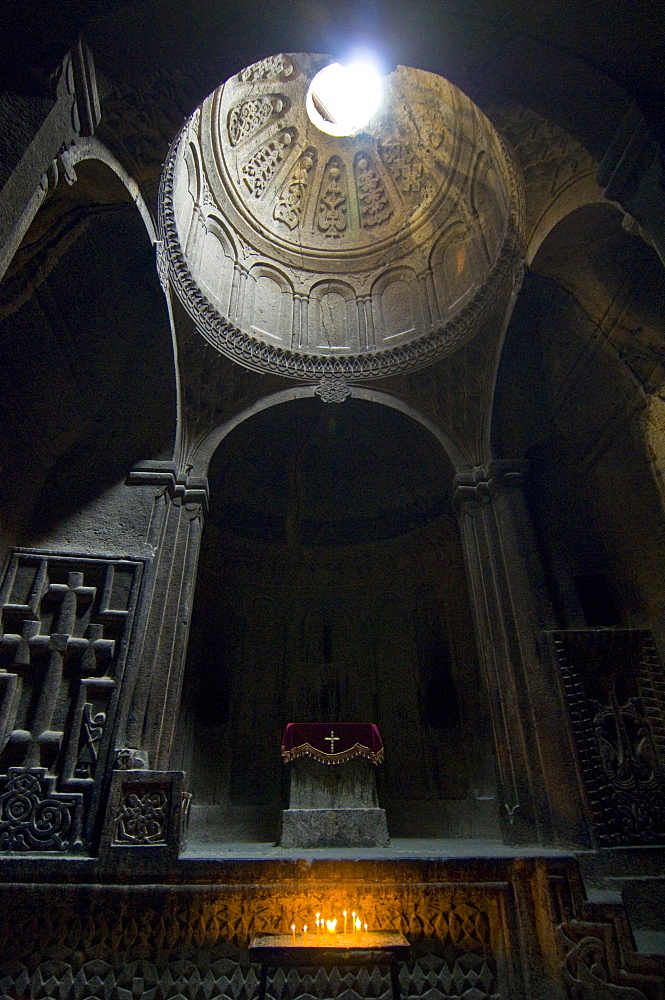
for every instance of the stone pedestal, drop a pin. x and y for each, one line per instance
(333, 806)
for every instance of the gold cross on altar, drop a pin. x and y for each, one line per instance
(331, 739)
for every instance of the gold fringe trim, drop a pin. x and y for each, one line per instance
(307, 750)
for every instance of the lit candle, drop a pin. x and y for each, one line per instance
(293, 931)
(304, 933)
(353, 921)
(344, 915)
(318, 923)
(357, 923)
(365, 928)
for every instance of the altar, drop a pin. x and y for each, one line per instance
(333, 800)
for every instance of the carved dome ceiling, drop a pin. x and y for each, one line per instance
(313, 255)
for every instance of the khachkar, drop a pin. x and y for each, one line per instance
(356, 256)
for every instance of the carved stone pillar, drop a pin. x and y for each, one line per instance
(152, 700)
(538, 784)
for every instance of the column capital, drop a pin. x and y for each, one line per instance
(182, 488)
(478, 485)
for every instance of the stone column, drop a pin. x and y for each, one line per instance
(151, 701)
(539, 789)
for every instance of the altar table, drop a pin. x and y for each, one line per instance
(333, 806)
(276, 951)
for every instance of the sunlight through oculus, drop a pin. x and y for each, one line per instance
(342, 99)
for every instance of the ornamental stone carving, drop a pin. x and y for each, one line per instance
(407, 233)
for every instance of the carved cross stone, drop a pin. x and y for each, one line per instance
(87, 651)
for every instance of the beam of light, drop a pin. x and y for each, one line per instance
(342, 99)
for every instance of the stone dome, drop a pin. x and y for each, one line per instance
(310, 254)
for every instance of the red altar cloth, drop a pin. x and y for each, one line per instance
(332, 743)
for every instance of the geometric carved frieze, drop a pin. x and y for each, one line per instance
(191, 941)
(64, 628)
(194, 944)
(614, 684)
(312, 255)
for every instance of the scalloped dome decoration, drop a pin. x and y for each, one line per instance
(314, 255)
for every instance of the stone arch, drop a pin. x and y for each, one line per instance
(200, 457)
(452, 267)
(194, 173)
(268, 304)
(333, 641)
(577, 388)
(485, 190)
(217, 262)
(84, 378)
(559, 172)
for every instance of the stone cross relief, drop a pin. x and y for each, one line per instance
(30, 650)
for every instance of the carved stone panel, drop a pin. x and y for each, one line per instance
(615, 687)
(146, 810)
(34, 817)
(65, 627)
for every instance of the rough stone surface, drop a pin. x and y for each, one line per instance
(333, 806)
(337, 827)
(341, 786)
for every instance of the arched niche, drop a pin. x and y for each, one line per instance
(333, 318)
(269, 303)
(579, 394)
(453, 267)
(331, 586)
(396, 305)
(88, 381)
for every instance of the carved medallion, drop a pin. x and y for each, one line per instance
(246, 119)
(290, 206)
(374, 203)
(262, 166)
(331, 215)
